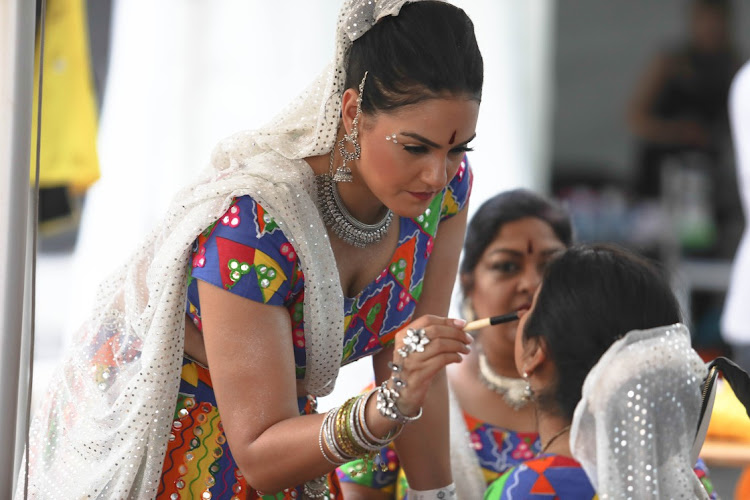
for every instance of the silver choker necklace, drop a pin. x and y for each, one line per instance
(512, 389)
(345, 225)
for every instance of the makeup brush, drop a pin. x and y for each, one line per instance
(494, 320)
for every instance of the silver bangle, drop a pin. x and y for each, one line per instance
(330, 438)
(356, 430)
(387, 406)
(366, 430)
(320, 442)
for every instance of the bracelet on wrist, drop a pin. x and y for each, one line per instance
(387, 405)
(444, 493)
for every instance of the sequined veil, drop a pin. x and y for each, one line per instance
(103, 427)
(634, 428)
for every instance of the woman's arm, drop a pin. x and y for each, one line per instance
(423, 447)
(250, 355)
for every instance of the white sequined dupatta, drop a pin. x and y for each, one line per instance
(104, 425)
(634, 428)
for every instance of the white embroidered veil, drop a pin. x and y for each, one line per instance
(102, 430)
(634, 428)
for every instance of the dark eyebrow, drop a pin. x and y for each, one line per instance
(544, 253)
(418, 137)
(428, 142)
(508, 251)
(468, 140)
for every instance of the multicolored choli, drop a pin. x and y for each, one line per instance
(555, 477)
(497, 451)
(544, 478)
(245, 252)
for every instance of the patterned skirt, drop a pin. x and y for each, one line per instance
(198, 462)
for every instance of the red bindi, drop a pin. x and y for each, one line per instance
(453, 138)
(530, 248)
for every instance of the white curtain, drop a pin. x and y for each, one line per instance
(185, 74)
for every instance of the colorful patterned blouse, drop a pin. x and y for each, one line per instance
(246, 253)
(555, 477)
(546, 477)
(497, 450)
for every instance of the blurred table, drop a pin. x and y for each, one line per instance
(725, 453)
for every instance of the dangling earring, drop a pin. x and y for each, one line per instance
(344, 173)
(528, 394)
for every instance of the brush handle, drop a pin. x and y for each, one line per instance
(494, 320)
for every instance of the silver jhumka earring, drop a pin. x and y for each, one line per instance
(344, 173)
(334, 213)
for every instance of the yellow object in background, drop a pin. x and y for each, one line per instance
(729, 420)
(69, 114)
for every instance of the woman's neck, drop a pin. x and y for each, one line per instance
(355, 195)
(554, 434)
(501, 363)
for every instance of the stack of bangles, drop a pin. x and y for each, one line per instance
(344, 435)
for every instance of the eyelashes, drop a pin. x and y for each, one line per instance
(419, 150)
(416, 150)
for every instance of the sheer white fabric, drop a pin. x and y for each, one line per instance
(634, 428)
(102, 431)
(467, 473)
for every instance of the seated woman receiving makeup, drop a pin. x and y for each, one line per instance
(592, 300)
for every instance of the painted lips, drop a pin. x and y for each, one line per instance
(422, 196)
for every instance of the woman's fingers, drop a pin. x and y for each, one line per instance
(424, 348)
(430, 320)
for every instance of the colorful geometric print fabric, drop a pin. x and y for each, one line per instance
(555, 477)
(701, 470)
(199, 463)
(497, 450)
(246, 253)
(545, 478)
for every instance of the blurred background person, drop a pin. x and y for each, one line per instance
(678, 113)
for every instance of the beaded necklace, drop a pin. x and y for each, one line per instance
(513, 390)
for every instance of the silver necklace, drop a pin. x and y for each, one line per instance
(337, 217)
(512, 389)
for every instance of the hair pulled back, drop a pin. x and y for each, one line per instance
(592, 295)
(429, 49)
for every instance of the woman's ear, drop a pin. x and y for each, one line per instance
(534, 354)
(349, 108)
